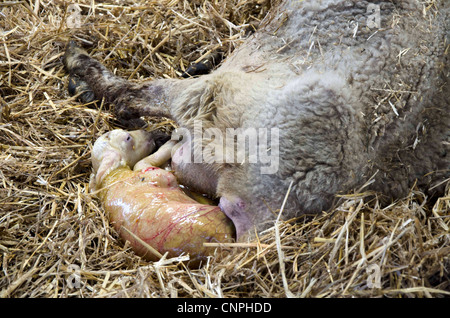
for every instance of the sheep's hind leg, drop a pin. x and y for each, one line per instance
(92, 81)
(129, 100)
(89, 75)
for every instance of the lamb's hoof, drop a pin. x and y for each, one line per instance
(76, 86)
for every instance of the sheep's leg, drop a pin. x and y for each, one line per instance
(87, 73)
(94, 81)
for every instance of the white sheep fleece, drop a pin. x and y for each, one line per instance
(349, 101)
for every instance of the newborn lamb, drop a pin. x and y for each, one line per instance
(148, 205)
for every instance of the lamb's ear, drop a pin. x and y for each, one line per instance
(111, 160)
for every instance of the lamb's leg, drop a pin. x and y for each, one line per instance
(95, 82)
(157, 159)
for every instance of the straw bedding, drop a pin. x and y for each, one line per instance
(55, 240)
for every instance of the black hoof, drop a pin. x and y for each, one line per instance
(205, 66)
(79, 87)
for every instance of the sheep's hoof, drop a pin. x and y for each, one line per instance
(205, 66)
(76, 86)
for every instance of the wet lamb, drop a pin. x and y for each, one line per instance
(148, 205)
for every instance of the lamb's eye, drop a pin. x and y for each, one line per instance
(128, 138)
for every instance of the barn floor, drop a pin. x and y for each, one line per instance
(55, 240)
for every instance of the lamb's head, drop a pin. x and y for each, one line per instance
(119, 148)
